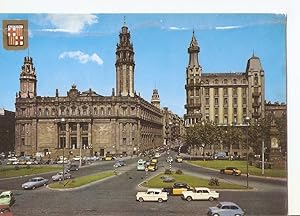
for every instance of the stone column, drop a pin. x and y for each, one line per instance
(79, 144)
(239, 106)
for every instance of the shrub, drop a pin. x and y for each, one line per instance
(214, 181)
(168, 172)
(179, 172)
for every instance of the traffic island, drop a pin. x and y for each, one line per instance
(81, 181)
(194, 181)
(241, 165)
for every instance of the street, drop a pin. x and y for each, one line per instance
(116, 196)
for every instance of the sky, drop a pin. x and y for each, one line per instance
(80, 49)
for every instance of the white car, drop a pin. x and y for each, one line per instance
(152, 194)
(63, 161)
(77, 158)
(200, 193)
(59, 176)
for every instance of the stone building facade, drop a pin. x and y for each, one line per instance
(7, 131)
(223, 98)
(87, 122)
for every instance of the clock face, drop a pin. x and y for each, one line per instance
(274, 143)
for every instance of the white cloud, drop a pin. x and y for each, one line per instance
(82, 57)
(177, 28)
(227, 27)
(70, 23)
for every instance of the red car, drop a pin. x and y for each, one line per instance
(5, 210)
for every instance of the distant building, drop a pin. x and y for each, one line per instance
(224, 98)
(122, 123)
(7, 130)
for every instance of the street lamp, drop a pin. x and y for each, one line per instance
(247, 121)
(63, 120)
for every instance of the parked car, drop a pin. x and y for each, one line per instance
(154, 160)
(179, 187)
(225, 209)
(231, 171)
(77, 158)
(200, 193)
(178, 159)
(221, 156)
(152, 167)
(34, 183)
(59, 176)
(140, 165)
(73, 167)
(5, 210)
(152, 194)
(7, 198)
(108, 158)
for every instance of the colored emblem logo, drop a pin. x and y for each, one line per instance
(15, 34)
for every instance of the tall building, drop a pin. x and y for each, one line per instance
(122, 123)
(7, 130)
(223, 98)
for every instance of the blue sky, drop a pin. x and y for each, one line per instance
(80, 49)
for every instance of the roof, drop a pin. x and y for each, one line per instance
(228, 203)
(154, 189)
(5, 192)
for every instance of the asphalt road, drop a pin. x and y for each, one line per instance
(116, 196)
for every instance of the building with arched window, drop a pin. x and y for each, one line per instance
(122, 123)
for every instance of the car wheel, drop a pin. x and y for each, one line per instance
(33, 188)
(222, 171)
(141, 199)
(211, 199)
(189, 198)
(160, 200)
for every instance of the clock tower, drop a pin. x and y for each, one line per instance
(27, 79)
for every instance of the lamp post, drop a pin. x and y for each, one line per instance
(63, 120)
(247, 121)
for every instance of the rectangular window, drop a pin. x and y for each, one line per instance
(207, 101)
(225, 110)
(235, 101)
(197, 92)
(62, 142)
(73, 127)
(216, 111)
(244, 91)
(206, 91)
(191, 101)
(216, 101)
(244, 111)
(124, 141)
(226, 101)
(192, 92)
(225, 91)
(234, 91)
(84, 126)
(225, 120)
(235, 110)
(23, 141)
(216, 91)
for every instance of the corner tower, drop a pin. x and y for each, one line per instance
(256, 82)
(192, 87)
(27, 79)
(124, 64)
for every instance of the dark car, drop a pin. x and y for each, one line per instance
(73, 167)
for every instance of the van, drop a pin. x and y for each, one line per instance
(141, 165)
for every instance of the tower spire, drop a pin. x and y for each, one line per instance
(193, 51)
(124, 23)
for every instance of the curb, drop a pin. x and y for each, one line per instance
(83, 186)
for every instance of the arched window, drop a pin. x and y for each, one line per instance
(67, 111)
(40, 111)
(244, 81)
(53, 111)
(62, 110)
(95, 111)
(225, 81)
(206, 82)
(102, 111)
(46, 112)
(234, 81)
(109, 111)
(216, 81)
(73, 108)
